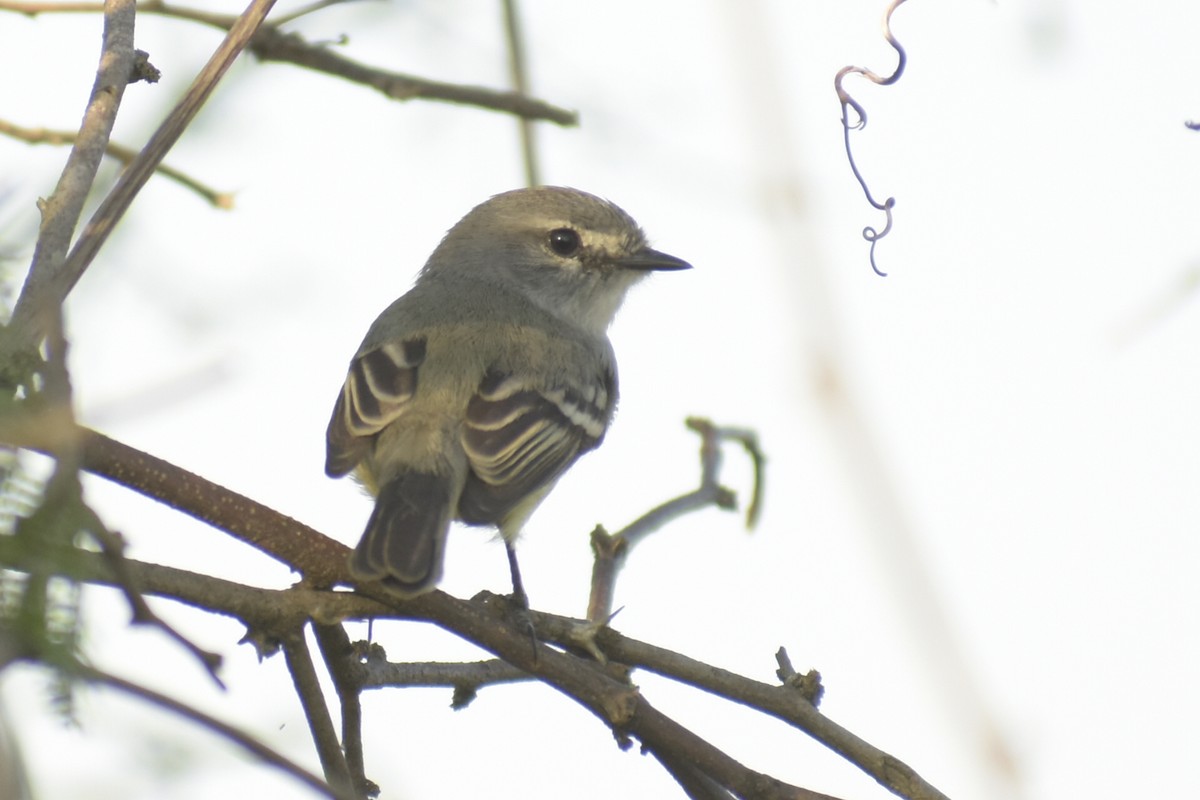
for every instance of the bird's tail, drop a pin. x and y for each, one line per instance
(406, 534)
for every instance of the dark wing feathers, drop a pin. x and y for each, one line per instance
(519, 438)
(378, 385)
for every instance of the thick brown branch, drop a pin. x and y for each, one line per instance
(314, 554)
(274, 612)
(275, 534)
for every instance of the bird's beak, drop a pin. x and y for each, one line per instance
(647, 259)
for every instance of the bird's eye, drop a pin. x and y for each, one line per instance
(565, 242)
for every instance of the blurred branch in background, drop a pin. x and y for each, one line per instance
(886, 518)
(519, 75)
(120, 152)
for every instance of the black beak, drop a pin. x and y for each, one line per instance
(647, 259)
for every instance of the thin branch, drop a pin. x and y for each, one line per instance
(320, 558)
(269, 610)
(49, 289)
(219, 199)
(622, 707)
(275, 45)
(43, 292)
(245, 741)
(611, 550)
(791, 702)
(112, 548)
(312, 699)
(345, 670)
(272, 44)
(312, 553)
(311, 8)
(519, 74)
(848, 103)
(465, 678)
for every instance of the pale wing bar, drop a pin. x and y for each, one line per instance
(380, 382)
(519, 439)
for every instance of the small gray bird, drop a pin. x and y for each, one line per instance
(474, 392)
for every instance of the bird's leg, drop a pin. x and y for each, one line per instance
(520, 599)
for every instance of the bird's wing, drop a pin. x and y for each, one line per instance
(519, 438)
(378, 386)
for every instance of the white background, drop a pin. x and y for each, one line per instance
(986, 541)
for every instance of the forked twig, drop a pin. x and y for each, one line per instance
(611, 550)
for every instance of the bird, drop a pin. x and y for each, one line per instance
(475, 391)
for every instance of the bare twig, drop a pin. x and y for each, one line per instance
(611, 550)
(791, 703)
(112, 547)
(485, 624)
(847, 102)
(278, 610)
(50, 287)
(465, 678)
(219, 199)
(43, 292)
(618, 704)
(308, 689)
(519, 75)
(275, 45)
(345, 669)
(272, 44)
(245, 741)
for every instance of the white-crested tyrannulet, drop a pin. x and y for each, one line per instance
(476, 390)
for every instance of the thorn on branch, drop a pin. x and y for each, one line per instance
(859, 122)
(808, 685)
(265, 644)
(463, 696)
(143, 70)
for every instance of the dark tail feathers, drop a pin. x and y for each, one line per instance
(406, 534)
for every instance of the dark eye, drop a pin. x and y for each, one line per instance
(564, 241)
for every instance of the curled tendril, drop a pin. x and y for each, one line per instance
(849, 104)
